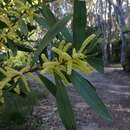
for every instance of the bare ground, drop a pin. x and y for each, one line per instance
(113, 87)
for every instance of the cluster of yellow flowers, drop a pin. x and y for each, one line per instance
(65, 62)
(66, 59)
(10, 74)
(15, 15)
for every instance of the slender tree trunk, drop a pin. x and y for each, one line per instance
(121, 20)
(119, 10)
(109, 30)
(104, 32)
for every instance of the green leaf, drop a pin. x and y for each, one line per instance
(3, 56)
(5, 19)
(41, 21)
(48, 15)
(62, 99)
(50, 35)
(89, 95)
(24, 47)
(64, 106)
(79, 23)
(2, 74)
(12, 46)
(49, 84)
(2, 25)
(15, 46)
(50, 20)
(23, 86)
(67, 34)
(96, 63)
(23, 27)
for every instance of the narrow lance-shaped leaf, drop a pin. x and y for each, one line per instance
(64, 106)
(23, 85)
(79, 23)
(50, 35)
(49, 84)
(48, 15)
(2, 74)
(89, 95)
(41, 21)
(50, 20)
(23, 27)
(12, 46)
(24, 47)
(62, 99)
(96, 63)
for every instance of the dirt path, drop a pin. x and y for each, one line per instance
(113, 87)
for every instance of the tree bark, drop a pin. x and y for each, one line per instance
(121, 20)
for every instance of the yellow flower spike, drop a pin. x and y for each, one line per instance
(74, 54)
(66, 56)
(81, 55)
(17, 89)
(61, 44)
(1, 46)
(26, 83)
(1, 93)
(2, 99)
(44, 58)
(86, 42)
(62, 55)
(77, 67)
(50, 64)
(61, 75)
(3, 71)
(56, 50)
(62, 68)
(11, 72)
(83, 63)
(25, 69)
(46, 70)
(1, 96)
(4, 82)
(16, 78)
(67, 46)
(69, 67)
(84, 66)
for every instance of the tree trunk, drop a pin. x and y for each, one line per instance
(119, 10)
